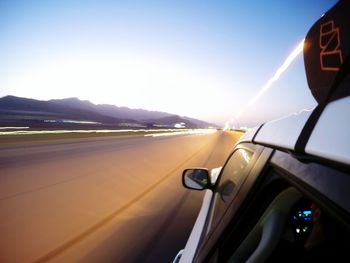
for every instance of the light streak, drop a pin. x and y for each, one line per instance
(149, 132)
(275, 77)
(189, 132)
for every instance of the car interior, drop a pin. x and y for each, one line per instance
(263, 238)
(289, 227)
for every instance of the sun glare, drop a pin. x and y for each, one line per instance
(132, 80)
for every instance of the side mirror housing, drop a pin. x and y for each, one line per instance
(196, 179)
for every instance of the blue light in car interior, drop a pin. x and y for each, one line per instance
(307, 213)
(303, 214)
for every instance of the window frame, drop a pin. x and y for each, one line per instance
(216, 192)
(259, 159)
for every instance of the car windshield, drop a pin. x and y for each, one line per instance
(103, 104)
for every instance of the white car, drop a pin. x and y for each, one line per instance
(283, 195)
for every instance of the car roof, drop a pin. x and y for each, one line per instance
(329, 139)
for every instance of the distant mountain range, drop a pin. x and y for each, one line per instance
(72, 113)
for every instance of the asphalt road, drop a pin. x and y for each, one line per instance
(110, 199)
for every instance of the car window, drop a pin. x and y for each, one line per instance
(231, 178)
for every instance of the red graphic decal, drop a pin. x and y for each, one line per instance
(331, 56)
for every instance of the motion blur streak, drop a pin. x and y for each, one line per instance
(275, 77)
(192, 132)
(26, 132)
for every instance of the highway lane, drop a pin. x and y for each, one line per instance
(109, 199)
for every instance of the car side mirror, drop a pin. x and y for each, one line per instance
(196, 179)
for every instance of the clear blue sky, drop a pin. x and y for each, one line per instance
(202, 59)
